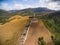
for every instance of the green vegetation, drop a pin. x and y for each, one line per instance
(41, 41)
(4, 15)
(52, 22)
(3, 20)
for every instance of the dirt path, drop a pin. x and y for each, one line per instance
(24, 36)
(38, 30)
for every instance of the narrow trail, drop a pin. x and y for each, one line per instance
(37, 30)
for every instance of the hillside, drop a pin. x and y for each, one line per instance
(52, 22)
(31, 11)
(12, 30)
(3, 12)
(12, 25)
(38, 30)
(5, 15)
(28, 11)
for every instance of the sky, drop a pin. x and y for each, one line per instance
(23, 4)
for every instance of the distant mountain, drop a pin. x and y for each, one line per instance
(12, 11)
(40, 9)
(57, 13)
(28, 11)
(5, 13)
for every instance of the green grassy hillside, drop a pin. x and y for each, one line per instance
(52, 22)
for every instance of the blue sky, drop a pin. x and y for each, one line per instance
(22, 4)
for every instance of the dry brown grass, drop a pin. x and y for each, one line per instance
(10, 31)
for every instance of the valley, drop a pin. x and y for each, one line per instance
(23, 28)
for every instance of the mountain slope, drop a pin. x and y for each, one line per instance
(3, 12)
(52, 22)
(11, 31)
(31, 11)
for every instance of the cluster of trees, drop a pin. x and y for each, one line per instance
(41, 41)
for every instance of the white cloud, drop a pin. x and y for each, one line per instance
(49, 4)
(53, 5)
(18, 6)
(6, 6)
(42, 3)
(22, 6)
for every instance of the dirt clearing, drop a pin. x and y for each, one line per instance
(38, 30)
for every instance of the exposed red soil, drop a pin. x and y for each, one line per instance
(38, 30)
